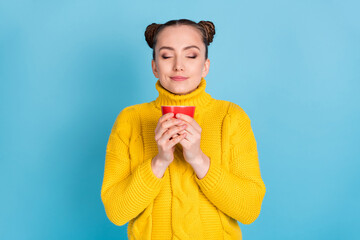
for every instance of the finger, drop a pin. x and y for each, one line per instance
(165, 117)
(172, 131)
(190, 129)
(185, 142)
(162, 119)
(176, 140)
(184, 117)
(188, 135)
(163, 127)
(175, 135)
(170, 134)
(170, 123)
(189, 119)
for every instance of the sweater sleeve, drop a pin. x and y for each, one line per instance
(239, 191)
(126, 194)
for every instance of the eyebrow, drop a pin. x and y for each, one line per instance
(170, 48)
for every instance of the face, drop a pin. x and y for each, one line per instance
(180, 51)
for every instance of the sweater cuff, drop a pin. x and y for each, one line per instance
(147, 176)
(212, 178)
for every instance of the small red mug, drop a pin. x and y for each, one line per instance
(188, 110)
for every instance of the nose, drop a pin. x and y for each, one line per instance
(178, 64)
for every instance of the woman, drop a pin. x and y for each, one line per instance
(183, 177)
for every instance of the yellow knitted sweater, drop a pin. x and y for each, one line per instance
(179, 205)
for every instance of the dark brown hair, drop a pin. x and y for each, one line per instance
(206, 28)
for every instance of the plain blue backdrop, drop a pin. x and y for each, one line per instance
(67, 68)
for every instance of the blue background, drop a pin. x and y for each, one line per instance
(67, 68)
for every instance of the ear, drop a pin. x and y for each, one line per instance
(206, 68)
(154, 69)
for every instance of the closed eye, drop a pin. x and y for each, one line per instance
(169, 57)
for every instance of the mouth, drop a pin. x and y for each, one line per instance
(179, 78)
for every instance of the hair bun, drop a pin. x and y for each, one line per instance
(209, 28)
(150, 33)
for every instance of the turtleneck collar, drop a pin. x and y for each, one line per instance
(198, 97)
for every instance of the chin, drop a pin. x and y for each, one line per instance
(177, 92)
(183, 92)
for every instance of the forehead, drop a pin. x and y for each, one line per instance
(179, 36)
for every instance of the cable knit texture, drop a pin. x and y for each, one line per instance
(179, 205)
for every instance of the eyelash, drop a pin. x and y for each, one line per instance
(169, 57)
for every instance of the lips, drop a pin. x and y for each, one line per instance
(178, 78)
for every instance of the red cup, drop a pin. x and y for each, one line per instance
(188, 110)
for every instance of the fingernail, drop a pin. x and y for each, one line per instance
(178, 115)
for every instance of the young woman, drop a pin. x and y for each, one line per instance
(177, 177)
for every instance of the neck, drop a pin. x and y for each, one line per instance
(198, 97)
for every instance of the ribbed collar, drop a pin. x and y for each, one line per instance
(198, 97)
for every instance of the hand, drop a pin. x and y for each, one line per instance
(191, 143)
(167, 135)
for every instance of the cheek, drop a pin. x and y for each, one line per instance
(197, 67)
(163, 67)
